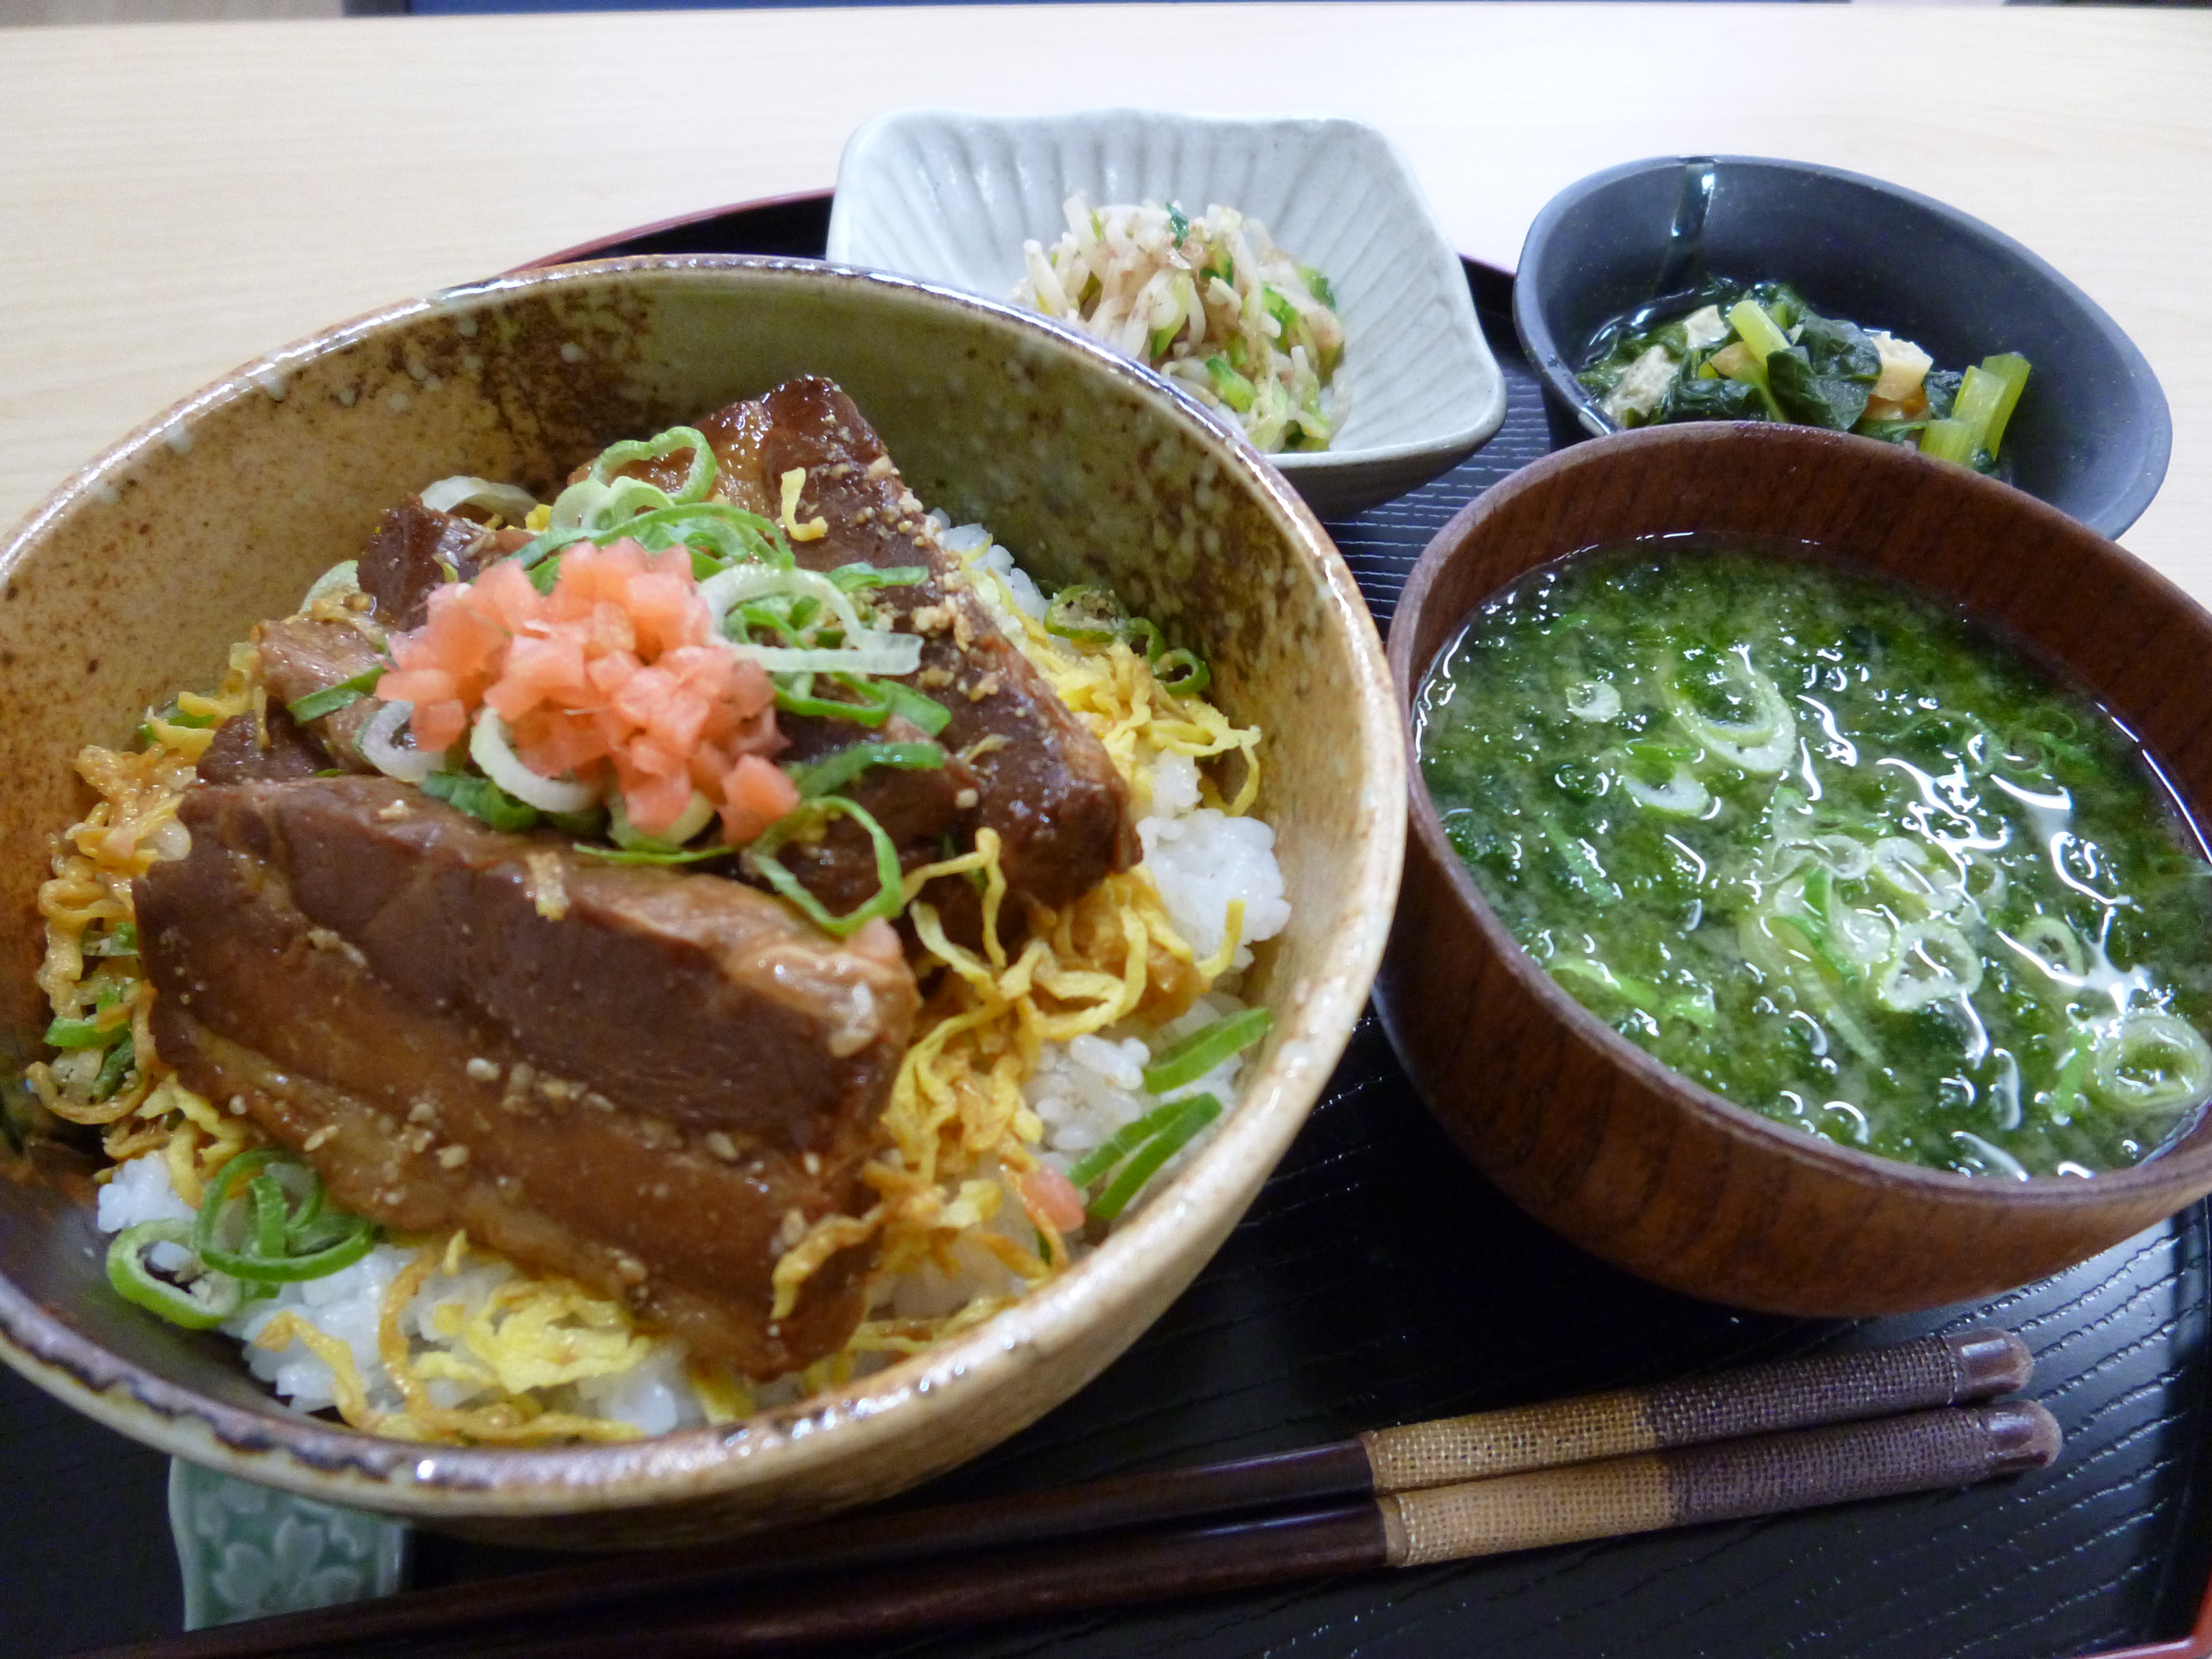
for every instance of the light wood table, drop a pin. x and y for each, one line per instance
(176, 199)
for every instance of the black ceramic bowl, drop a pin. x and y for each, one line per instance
(2091, 436)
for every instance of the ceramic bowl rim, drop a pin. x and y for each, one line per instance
(1738, 1123)
(317, 1459)
(1459, 441)
(1549, 358)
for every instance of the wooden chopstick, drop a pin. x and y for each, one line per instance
(1768, 1475)
(1931, 1371)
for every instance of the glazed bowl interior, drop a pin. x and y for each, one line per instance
(1593, 1135)
(2092, 435)
(134, 580)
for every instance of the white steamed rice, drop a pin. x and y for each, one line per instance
(1084, 1091)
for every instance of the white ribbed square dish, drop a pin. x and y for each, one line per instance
(949, 195)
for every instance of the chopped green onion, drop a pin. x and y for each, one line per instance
(808, 814)
(85, 1033)
(201, 1304)
(739, 537)
(649, 855)
(113, 1069)
(794, 694)
(480, 797)
(1087, 614)
(592, 820)
(331, 698)
(288, 1239)
(696, 482)
(169, 714)
(545, 545)
(833, 772)
(1143, 628)
(1190, 1116)
(1093, 1166)
(857, 578)
(698, 812)
(1228, 385)
(1317, 285)
(1183, 672)
(1178, 223)
(913, 706)
(120, 940)
(1195, 1056)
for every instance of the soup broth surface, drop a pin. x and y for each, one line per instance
(1833, 852)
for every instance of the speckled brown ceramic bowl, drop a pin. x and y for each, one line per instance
(134, 578)
(1588, 1132)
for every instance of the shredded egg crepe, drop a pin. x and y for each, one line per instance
(1022, 1060)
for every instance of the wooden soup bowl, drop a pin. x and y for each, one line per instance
(1600, 1141)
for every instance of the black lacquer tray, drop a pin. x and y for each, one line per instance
(1379, 1279)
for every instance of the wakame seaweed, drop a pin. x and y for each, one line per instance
(1832, 853)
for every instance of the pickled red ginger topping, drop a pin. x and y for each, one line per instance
(616, 681)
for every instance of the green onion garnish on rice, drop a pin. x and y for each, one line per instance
(242, 1242)
(286, 1237)
(198, 1304)
(1146, 1144)
(1191, 1059)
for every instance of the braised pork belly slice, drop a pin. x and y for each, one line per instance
(274, 747)
(300, 656)
(1042, 781)
(922, 811)
(415, 549)
(652, 1081)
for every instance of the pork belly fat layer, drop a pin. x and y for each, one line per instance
(654, 1093)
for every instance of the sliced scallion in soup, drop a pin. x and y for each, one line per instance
(1832, 853)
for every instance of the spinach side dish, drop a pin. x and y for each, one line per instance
(1832, 853)
(1757, 351)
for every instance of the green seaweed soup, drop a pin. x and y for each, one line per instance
(1834, 853)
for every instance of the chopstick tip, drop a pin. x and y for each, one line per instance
(2022, 1435)
(1988, 1362)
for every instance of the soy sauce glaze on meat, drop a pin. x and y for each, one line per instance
(653, 1080)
